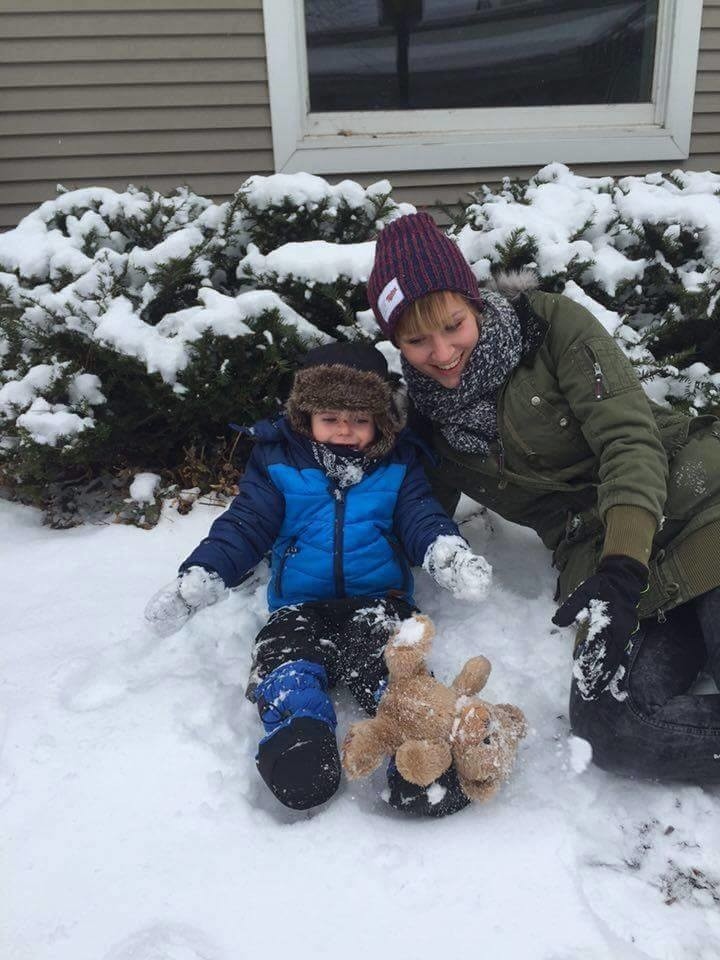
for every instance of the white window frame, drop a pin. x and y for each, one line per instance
(371, 141)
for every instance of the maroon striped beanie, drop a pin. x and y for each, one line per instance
(413, 257)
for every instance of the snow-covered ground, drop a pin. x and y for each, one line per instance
(135, 827)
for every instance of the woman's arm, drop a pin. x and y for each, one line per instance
(604, 394)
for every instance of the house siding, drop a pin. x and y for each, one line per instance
(164, 92)
(111, 92)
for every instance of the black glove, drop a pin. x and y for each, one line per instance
(607, 602)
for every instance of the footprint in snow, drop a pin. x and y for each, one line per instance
(165, 941)
(656, 886)
(92, 688)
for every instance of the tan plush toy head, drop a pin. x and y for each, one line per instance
(428, 726)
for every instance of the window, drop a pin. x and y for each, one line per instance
(412, 84)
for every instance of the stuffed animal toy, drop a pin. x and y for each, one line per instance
(428, 726)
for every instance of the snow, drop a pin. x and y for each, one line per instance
(85, 387)
(21, 393)
(164, 347)
(315, 260)
(48, 423)
(307, 190)
(589, 667)
(410, 633)
(580, 754)
(135, 826)
(143, 487)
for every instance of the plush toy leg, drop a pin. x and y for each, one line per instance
(473, 676)
(366, 746)
(406, 650)
(423, 761)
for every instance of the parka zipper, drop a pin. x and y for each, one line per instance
(289, 550)
(599, 381)
(339, 496)
(599, 376)
(502, 482)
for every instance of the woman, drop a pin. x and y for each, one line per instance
(534, 411)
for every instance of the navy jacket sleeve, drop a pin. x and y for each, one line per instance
(419, 518)
(239, 539)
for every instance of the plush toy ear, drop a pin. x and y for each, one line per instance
(423, 761)
(473, 676)
(480, 790)
(513, 718)
(406, 651)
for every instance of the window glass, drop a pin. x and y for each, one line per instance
(434, 54)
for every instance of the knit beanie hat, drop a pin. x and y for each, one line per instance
(413, 257)
(346, 376)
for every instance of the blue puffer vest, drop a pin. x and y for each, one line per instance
(325, 543)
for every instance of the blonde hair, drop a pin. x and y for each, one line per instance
(429, 313)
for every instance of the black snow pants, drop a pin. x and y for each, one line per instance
(654, 727)
(347, 639)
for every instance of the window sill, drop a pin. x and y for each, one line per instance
(373, 153)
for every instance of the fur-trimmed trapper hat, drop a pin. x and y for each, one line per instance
(346, 376)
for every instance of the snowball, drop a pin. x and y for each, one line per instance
(580, 754)
(143, 487)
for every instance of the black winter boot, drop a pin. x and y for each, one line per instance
(440, 799)
(300, 763)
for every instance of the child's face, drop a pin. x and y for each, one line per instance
(443, 353)
(347, 428)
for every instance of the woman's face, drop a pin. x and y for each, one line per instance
(442, 354)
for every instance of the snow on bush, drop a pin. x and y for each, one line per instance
(134, 326)
(642, 253)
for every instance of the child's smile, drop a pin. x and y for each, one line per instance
(345, 428)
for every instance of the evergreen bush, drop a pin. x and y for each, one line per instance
(134, 326)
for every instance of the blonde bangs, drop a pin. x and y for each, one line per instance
(428, 313)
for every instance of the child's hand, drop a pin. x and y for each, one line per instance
(171, 606)
(452, 564)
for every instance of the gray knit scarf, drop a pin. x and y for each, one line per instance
(467, 414)
(345, 469)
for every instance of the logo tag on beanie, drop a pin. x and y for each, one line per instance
(390, 296)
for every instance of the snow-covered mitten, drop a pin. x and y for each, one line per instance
(452, 564)
(606, 603)
(171, 606)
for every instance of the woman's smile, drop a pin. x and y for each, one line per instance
(443, 353)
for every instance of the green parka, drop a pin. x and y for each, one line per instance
(589, 463)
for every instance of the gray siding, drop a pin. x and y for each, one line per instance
(164, 92)
(111, 92)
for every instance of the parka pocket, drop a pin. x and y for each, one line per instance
(606, 367)
(289, 551)
(540, 423)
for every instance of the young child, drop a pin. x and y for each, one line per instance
(335, 491)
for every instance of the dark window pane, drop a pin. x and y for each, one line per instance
(430, 54)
